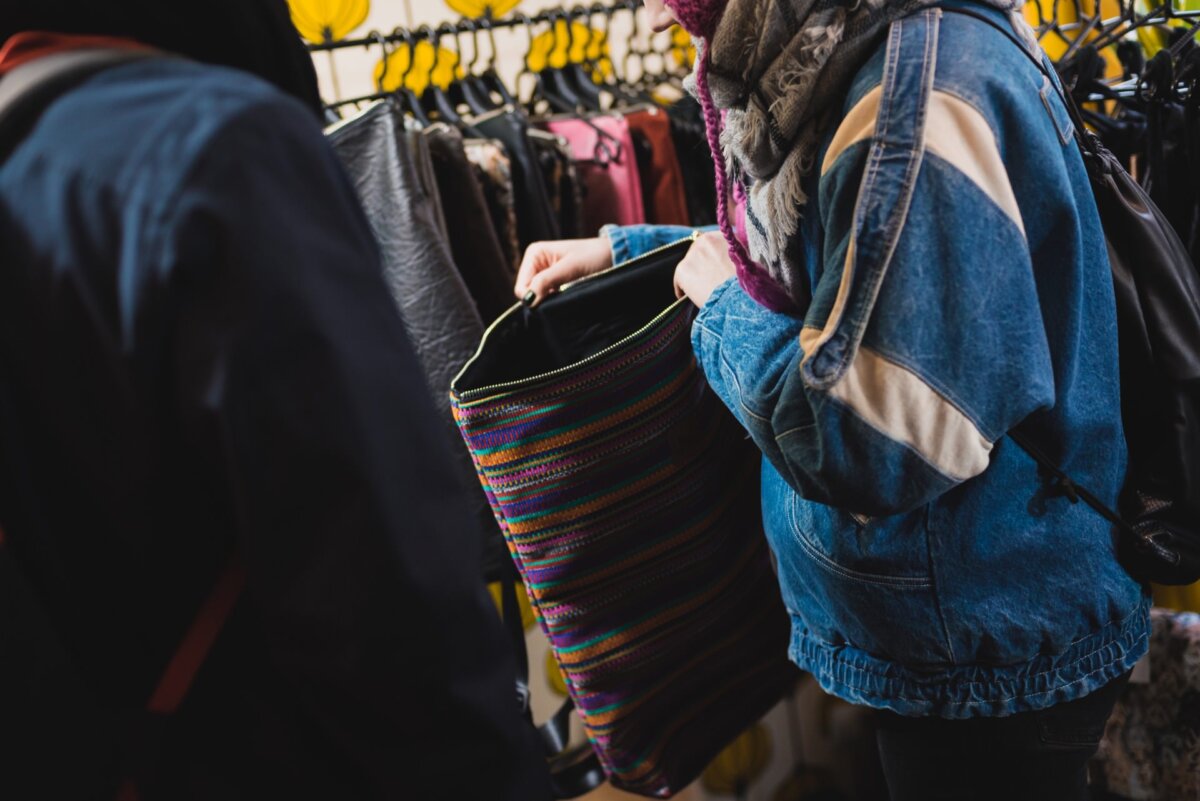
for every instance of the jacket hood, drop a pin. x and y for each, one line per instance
(252, 35)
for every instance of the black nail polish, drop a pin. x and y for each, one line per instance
(529, 298)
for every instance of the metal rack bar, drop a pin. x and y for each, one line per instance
(354, 101)
(481, 23)
(1112, 30)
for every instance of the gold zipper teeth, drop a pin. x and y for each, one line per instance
(532, 380)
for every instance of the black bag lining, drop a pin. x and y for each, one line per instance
(582, 320)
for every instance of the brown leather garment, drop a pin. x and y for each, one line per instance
(662, 182)
(473, 241)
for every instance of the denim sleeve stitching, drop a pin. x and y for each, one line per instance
(851, 329)
(900, 216)
(737, 388)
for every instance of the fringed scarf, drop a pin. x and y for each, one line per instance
(771, 76)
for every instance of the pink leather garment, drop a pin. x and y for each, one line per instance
(607, 168)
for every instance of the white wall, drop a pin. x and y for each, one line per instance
(354, 67)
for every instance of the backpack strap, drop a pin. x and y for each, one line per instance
(185, 664)
(193, 650)
(1076, 493)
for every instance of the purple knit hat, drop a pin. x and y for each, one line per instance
(700, 19)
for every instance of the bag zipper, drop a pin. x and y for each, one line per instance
(509, 385)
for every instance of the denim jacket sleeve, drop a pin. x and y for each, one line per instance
(631, 241)
(924, 342)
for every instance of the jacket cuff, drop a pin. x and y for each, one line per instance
(722, 350)
(630, 241)
(708, 332)
(711, 319)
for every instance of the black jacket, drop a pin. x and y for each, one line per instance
(199, 353)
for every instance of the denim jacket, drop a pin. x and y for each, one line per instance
(960, 287)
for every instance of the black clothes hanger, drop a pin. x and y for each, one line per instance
(1081, 37)
(1132, 58)
(589, 93)
(1116, 29)
(434, 98)
(1083, 75)
(526, 70)
(551, 82)
(404, 97)
(491, 79)
(462, 91)
(608, 147)
(574, 73)
(453, 88)
(385, 59)
(1173, 162)
(474, 92)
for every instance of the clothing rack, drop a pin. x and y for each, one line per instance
(1090, 30)
(485, 23)
(1109, 31)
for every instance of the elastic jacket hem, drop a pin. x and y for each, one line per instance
(967, 691)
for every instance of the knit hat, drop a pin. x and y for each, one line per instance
(700, 19)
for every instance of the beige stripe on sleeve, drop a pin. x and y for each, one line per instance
(957, 133)
(858, 125)
(900, 405)
(811, 339)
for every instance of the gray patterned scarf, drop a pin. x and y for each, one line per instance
(779, 70)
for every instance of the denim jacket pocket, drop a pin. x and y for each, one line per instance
(849, 584)
(887, 551)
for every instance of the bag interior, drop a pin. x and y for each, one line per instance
(582, 320)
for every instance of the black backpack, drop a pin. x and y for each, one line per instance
(1158, 320)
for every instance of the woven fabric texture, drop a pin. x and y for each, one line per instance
(628, 497)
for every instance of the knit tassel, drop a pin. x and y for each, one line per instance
(754, 279)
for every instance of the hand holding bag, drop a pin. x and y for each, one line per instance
(629, 500)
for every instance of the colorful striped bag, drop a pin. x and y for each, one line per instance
(628, 496)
